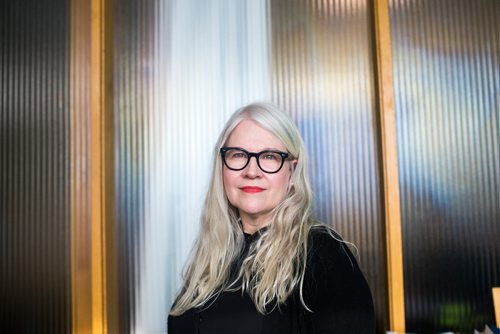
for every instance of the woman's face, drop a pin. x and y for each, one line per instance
(253, 192)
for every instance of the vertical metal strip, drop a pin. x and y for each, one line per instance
(389, 166)
(97, 240)
(496, 304)
(104, 317)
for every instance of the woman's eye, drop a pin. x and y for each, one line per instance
(238, 155)
(270, 156)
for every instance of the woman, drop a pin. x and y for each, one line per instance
(261, 264)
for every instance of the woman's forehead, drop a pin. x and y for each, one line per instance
(251, 136)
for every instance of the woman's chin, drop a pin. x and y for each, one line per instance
(253, 213)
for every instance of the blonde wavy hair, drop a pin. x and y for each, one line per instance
(276, 262)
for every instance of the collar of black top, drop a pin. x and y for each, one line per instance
(254, 236)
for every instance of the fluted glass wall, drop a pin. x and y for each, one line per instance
(35, 285)
(323, 75)
(181, 68)
(79, 143)
(447, 88)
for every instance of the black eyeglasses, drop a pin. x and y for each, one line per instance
(236, 158)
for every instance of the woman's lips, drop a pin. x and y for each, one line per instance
(252, 190)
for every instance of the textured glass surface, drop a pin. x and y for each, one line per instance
(447, 100)
(79, 167)
(323, 75)
(181, 68)
(34, 167)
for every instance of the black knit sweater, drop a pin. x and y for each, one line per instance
(334, 289)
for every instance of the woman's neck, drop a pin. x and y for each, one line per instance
(251, 224)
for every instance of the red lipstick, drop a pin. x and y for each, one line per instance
(252, 190)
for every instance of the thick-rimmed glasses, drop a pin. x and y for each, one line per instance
(269, 161)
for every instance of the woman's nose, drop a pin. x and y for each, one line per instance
(252, 169)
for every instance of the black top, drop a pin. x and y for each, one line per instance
(334, 289)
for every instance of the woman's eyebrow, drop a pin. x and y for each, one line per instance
(270, 149)
(260, 150)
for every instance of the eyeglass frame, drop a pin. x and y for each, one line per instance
(223, 150)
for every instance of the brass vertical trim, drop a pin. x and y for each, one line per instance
(102, 170)
(496, 304)
(96, 180)
(392, 208)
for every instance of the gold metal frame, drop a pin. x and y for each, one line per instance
(496, 303)
(389, 165)
(93, 256)
(104, 315)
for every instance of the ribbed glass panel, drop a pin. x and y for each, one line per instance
(447, 88)
(79, 168)
(323, 75)
(181, 68)
(35, 295)
(133, 26)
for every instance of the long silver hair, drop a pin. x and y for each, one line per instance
(275, 264)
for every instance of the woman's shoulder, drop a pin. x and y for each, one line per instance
(330, 256)
(335, 289)
(322, 230)
(323, 240)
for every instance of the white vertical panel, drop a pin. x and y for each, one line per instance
(182, 67)
(217, 61)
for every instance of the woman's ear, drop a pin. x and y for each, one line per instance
(293, 165)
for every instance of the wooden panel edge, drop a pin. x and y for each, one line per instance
(104, 277)
(389, 166)
(108, 170)
(496, 304)
(98, 165)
